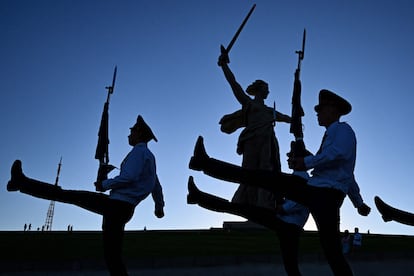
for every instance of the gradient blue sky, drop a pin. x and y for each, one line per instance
(58, 56)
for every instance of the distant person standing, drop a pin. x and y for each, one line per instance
(137, 179)
(356, 240)
(346, 242)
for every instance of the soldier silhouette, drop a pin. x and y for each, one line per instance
(137, 179)
(323, 193)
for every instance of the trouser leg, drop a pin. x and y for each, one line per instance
(289, 235)
(115, 213)
(260, 215)
(281, 184)
(236, 174)
(325, 211)
(114, 220)
(94, 202)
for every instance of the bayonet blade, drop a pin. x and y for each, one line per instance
(301, 53)
(113, 81)
(303, 44)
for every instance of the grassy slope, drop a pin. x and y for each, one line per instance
(87, 245)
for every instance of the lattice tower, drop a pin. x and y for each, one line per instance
(51, 210)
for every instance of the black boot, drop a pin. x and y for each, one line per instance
(17, 177)
(193, 192)
(36, 188)
(259, 215)
(199, 157)
(205, 200)
(229, 172)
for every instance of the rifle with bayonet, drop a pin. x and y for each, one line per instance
(298, 146)
(102, 148)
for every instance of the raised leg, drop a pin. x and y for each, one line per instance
(281, 184)
(94, 202)
(260, 215)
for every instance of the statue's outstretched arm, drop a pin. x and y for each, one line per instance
(238, 91)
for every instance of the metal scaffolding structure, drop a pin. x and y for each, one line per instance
(51, 210)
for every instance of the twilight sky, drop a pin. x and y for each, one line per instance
(58, 56)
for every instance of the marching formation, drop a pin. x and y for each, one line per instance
(278, 200)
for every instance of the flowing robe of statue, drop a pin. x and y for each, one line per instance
(258, 145)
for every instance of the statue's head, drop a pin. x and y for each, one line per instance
(258, 87)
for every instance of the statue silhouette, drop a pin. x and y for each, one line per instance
(257, 142)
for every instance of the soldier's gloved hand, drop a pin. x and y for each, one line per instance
(98, 186)
(294, 148)
(364, 210)
(296, 164)
(159, 212)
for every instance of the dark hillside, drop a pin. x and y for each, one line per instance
(40, 250)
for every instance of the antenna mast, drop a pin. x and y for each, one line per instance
(51, 210)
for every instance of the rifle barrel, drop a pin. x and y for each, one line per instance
(58, 172)
(112, 87)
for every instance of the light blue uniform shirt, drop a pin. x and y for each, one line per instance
(137, 178)
(333, 166)
(295, 213)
